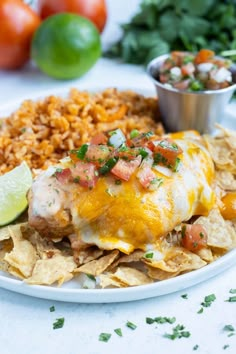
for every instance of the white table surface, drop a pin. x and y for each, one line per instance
(26, 324)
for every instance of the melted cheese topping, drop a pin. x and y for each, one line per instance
(128, 216)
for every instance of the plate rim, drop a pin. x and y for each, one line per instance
(114, 295)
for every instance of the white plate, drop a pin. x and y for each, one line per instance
(72, 293)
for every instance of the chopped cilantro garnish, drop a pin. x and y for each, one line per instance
(118, 332)
(134, 133)
(201, 310)
(104, 337)
(59, 323)
(52, 308)
(177, 332)
(196, 347)
(177, 164)
(108, 166)
(148, 134)
(228, 328)
(157, 181)
(118, 182)
(131, 325)
(112, 132)
(208, 300)
(82, 151)
(231, 299)
(201, 234)
(92, 277)
(232, 291)
(148, 255)
(143, 153)
(184, 296)
(226, 346)
(160, 320)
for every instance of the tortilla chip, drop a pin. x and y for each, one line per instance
(23, 255)
(158, 274)
(4, 233)
(107, 281)
(220, 233)
(205, 254)
(87, 255)
(226, 180)
(127, 258)
(223, 149)
(98, 266)
(176, 260)
(56, 269)
(131, 276)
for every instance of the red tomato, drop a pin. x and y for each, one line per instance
(146, 176)
(194, 237)
(165, 151)
(99, 138)
(97, 154)
(63, 176)
(85, 174)
(203, 56)
(124, 169)
(18, 23)
(94, 10)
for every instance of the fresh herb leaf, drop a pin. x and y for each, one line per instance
(232, 291)
(104, 337)
(118, 332)
(160, 320)
(228, 328)
(184, 296)
(231, 299)
(82, 151)
(201, 310)
(208, 300)
(52, 309)
(148, 255)
(178, 332)
(196, 347)
(131, 325)
(226, 346)
(59, 323)
(92, 277)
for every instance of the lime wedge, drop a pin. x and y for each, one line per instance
(13, 188)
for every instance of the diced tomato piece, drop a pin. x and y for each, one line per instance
(124, 169)
(194, 237)
(165, 151)
(97, 154)
(164, 78)
(146, 175)
(63, 175)
(182, 85)
(84, 173)
(98, 139)
(203, 56)
(188, 69)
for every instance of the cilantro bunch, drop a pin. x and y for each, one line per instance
(164, 25)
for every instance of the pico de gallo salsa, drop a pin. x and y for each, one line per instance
(116, 155)
(195, 72)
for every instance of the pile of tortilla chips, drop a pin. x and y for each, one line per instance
(30, 257)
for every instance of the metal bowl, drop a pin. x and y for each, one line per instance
(183, 110)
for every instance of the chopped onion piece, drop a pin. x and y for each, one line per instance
(116, 138)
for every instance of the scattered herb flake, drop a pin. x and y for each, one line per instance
(131, 325)
(228, 328)
(118, 332)
(104, 337)
(52, 309)
(226, 346)
(196, 347)
(201, 310)
(150, 320)
(177, 332)
(184, 296)
(160, 320)
(232, 291)
(208, 300)
(231, 299)
(148, 255)
(92, 277)
(59, 323)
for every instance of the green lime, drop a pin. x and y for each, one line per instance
(66, 46)
(13, 188)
